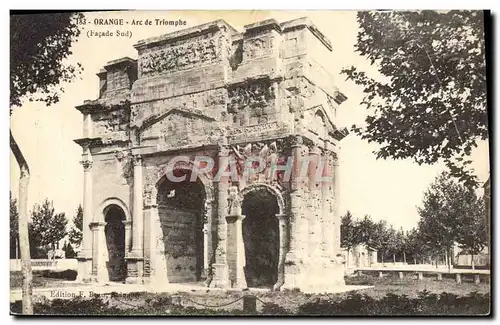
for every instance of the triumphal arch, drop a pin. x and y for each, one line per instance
(223, 95)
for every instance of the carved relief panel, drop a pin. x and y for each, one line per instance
(258, 47)
(252, 103)
(183, 54)
(266, 157)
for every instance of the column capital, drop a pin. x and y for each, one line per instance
(223, 150)
(127, 223)
(314, 150)
(87, 164)
(137, 160)
(296, 141)
(282, 216)
(234, 218)
(96, 225)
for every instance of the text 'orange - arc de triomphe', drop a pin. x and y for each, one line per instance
(215, 92)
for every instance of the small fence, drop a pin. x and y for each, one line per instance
(46, 264)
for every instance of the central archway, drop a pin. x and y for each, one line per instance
(181, 212)
(261, 237)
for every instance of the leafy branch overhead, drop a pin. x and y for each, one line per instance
(40, 45)
(429, 102)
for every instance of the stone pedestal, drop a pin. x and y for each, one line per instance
(135, 266)
(84, 269)
(220, 277)
(235, 252)
(323, 276)
(99, 271)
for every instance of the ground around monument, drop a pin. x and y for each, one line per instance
(129, 296)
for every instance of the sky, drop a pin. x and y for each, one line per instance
(384, 189)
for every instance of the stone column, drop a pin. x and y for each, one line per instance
(327, 229)
(283, 223)
(298, 222)
(314, 235)
(220, 277)
(135, 259)
(235, 251)
(128, 237)
(137, 215)
(85, 266)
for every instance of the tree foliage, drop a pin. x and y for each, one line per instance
(39, 47)
(47, 227)
(349, 232)
(430, 101)
(76, 232)
(452, 212)
(472, 235)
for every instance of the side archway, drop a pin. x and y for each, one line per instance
(261, 204)
(107, 203)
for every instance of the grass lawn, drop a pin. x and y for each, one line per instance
(292, 299)
(410, 286)
(43, 279)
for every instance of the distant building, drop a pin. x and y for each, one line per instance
(463, 258)
(359, 256)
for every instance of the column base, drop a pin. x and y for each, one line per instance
(294, 270)
(135, 272)
(220, 277)
(84, 270)
(313, 275)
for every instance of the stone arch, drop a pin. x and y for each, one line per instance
(109, 202)
(268, 188)
(206, 182)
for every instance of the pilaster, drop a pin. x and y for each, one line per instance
(220, 278)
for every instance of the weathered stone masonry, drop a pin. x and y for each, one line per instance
(210, 90)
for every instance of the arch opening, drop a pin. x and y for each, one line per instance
(181, 211)
(115, 242)
(261, 238)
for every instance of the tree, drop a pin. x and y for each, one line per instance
(380, 239)
(39, 45)
(429, 102)
(403, 240)
(76, 232)
(448, 214)
(349, 233)
(438, 226)
(14, 228)
(366, 226)
(69, 252)
(413, 245)
(472, 236)
(47, 226)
